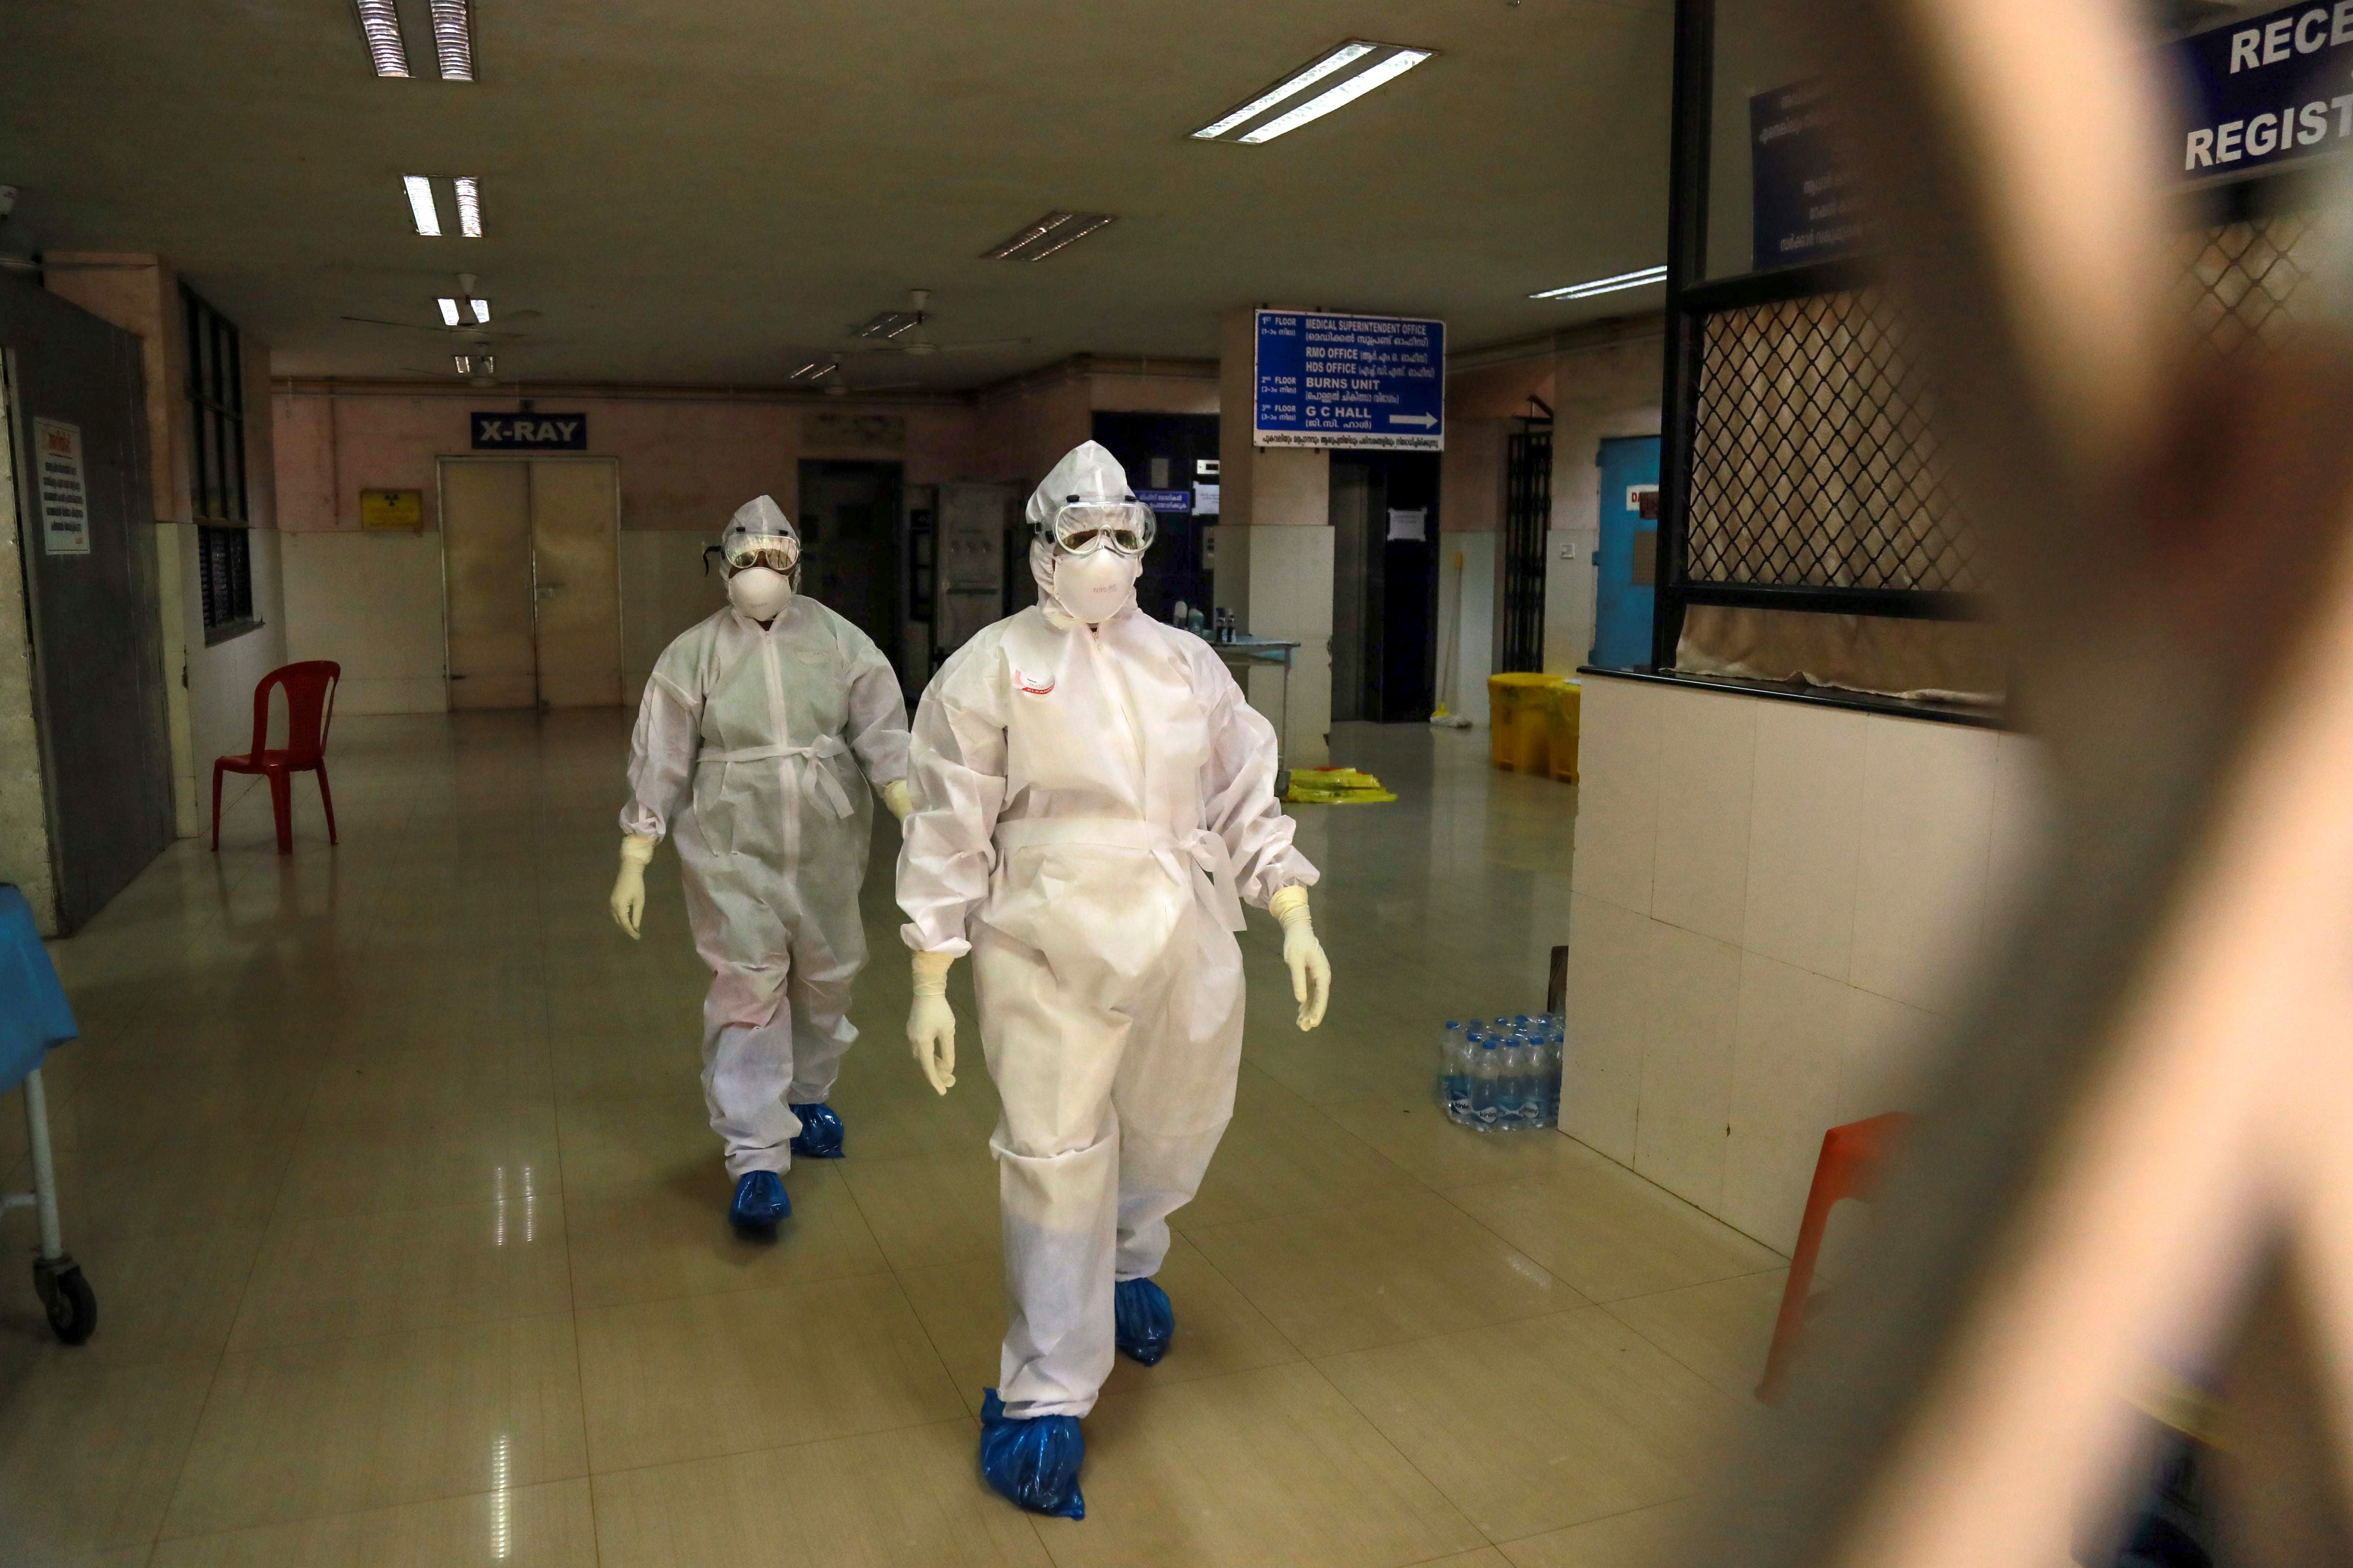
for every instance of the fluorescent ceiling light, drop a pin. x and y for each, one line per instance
(448, 312)
(809, 372)
(1647, 276)
(1298, 82)
(465, 364)
(481, 309)
(453, 39)
(380, 30)
(1047, 236)
(469, 206)
(420, 205)
(1348, 92)
(887, 324)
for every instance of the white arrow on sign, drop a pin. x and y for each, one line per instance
(1424, 420)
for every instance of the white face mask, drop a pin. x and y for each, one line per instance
(759, 592)
(1096, 587)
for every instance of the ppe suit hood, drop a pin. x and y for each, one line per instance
(1087, 470)
(759, 518)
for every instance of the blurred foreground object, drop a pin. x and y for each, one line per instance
(2143, 1152)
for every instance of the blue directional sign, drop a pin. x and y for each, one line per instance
(2264, 90)
(1359, 382)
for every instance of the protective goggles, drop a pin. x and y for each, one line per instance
(1083, 527)
(776, 552)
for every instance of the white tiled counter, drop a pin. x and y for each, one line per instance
(1772, 903)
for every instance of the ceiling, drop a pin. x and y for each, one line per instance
(704, 191)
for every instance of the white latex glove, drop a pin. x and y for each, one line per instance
(894, 795)
(629, 888)
(931, 1022)
(1311, 972)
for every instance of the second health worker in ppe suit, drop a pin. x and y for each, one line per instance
(1094, 801)
(751, 742)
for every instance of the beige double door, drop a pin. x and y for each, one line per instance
(531, 582)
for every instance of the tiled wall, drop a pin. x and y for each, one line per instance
(1772, 904)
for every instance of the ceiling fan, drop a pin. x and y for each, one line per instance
(909, 332)
(465, 316)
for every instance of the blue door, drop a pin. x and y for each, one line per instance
(1626, 565)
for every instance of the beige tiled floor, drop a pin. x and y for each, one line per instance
(389, 1167)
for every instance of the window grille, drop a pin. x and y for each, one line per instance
(1528, 515)
(225, 581)
(1814, 454)
(217, 406)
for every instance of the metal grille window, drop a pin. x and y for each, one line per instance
(1527, 513)
(216, 403)
(225, 581)
(2242, 284)
(1813, 455)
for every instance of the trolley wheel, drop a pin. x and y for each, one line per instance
(71, 1304)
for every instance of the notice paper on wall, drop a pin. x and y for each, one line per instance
(65, 495)
(1205, 500)
(1412, 525)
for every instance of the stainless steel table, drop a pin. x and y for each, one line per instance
(1240, 655)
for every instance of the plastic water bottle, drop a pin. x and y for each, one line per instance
(1556, 1050)
(1487, 1083)
(1528, 1058)
(1454, 1071)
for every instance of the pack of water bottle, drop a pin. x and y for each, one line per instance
(1502, 1075)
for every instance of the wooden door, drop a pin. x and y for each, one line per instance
(486, 584)
(574, 539)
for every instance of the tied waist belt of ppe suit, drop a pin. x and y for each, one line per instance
(1212, 866)
(814, 755)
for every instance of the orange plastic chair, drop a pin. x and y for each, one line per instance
(1853, 1159)
(309, 708)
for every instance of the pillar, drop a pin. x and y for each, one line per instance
(1273, 549)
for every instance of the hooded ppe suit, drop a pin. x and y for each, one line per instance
(1091, 806)
(750, 745)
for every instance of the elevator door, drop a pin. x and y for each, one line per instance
(849, 525)
(532, 582)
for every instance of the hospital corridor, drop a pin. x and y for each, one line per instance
(1515, 783)
(434, 1276)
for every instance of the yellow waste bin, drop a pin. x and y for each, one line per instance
(1533, 723)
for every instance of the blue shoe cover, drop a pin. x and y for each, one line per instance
(760, 1202)
(1143, 1322)
(821, 1134)
(1033, 1462)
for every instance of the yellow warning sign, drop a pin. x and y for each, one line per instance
(403, 510)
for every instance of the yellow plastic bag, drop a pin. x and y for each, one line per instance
(1334, 787)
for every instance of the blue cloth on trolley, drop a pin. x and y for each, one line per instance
(33, 1012)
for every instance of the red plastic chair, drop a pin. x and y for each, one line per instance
(1853, 1157)
(309, 708)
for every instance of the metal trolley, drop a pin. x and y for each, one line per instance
(33, 1018)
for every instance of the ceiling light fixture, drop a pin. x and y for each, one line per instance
(809, 372)
(1298, 82)
(453, 39)
(469, 206)
(465, 364)
(420, 205)
(482, 310)
(1646, 276)
(448, 312)
(1348, 92)
(380, 30)
(887, 324)
(1047, 236)
(1343, 75)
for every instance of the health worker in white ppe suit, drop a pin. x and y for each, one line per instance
(756, 739)
(1093, 803)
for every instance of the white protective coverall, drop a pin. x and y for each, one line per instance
(1091, 805)
(749, 746)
